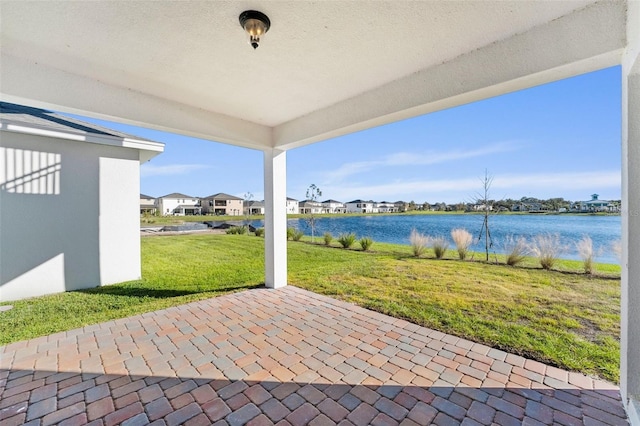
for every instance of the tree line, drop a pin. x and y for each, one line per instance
(551, 204)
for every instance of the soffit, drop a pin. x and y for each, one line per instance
(316, 54)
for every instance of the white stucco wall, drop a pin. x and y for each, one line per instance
(630, 286)
(119, 220)
(292, 207)
(364, 208)
(69, 215)
(167, 205)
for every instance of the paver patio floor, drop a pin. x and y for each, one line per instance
(286, 356)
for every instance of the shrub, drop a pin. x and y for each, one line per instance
(440, 246)
(290, 232)
(259, 232)
(585, 251)
(462, 239)
(240, 230)
(366, 243)
(297, 235)
(419, 242)
(516, 249)
(328, 238)
(347, 240)
(547, 248)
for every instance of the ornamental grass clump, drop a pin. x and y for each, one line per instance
(366, 243)
(327, 238)
(516, 250)
(240, 230)
(259, 232)
(297, 235)
(462, 239)
(290, 232)
(419, 242)
(547, 248)
(586, 253)
(347, 240)
(439, 245)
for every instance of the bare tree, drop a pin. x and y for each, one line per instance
(487, 207)
(248, 196)
(313, 193)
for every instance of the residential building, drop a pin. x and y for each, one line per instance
(70, 197)
(479, 207)
(333, 206)
(292, 206)
(222, 204)
(527, 207)
(147, 204)
(594, 205)
(310, 207)
(177, 204)
(253, 207)
(360, 206)
(386, 207)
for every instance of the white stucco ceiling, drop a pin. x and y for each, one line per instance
(324, 68)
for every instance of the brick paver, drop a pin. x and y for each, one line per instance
(286, 357)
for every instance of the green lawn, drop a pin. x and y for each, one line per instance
(559, 317)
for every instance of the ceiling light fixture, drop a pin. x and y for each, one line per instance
(255, 24)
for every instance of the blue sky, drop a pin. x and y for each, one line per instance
(557, 140)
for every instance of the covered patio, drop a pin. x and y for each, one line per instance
(286, 357)
(324, 69)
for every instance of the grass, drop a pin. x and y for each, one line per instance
(175, 270)
(563, 318)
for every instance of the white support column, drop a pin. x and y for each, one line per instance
(275, 218)
(630, 296)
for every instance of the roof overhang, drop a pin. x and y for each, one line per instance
(146, 149)
(324, 69)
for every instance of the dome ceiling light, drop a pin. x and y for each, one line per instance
(255, 24)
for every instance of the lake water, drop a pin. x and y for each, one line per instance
(603, 230)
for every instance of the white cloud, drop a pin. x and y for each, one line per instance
(148, 170)
(454, 190)
(415, 159)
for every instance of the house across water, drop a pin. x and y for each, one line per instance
(594, 205)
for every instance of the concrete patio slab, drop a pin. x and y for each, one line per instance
(286, 357)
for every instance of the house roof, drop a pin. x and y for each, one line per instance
(176, 195)
(291, 199)
(596, 202)
(332, 202)
(42, 122)
(147, 196)
(360, 202)
(13, 113)
(223, 196)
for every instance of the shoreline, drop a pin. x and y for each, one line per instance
(166, 220)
